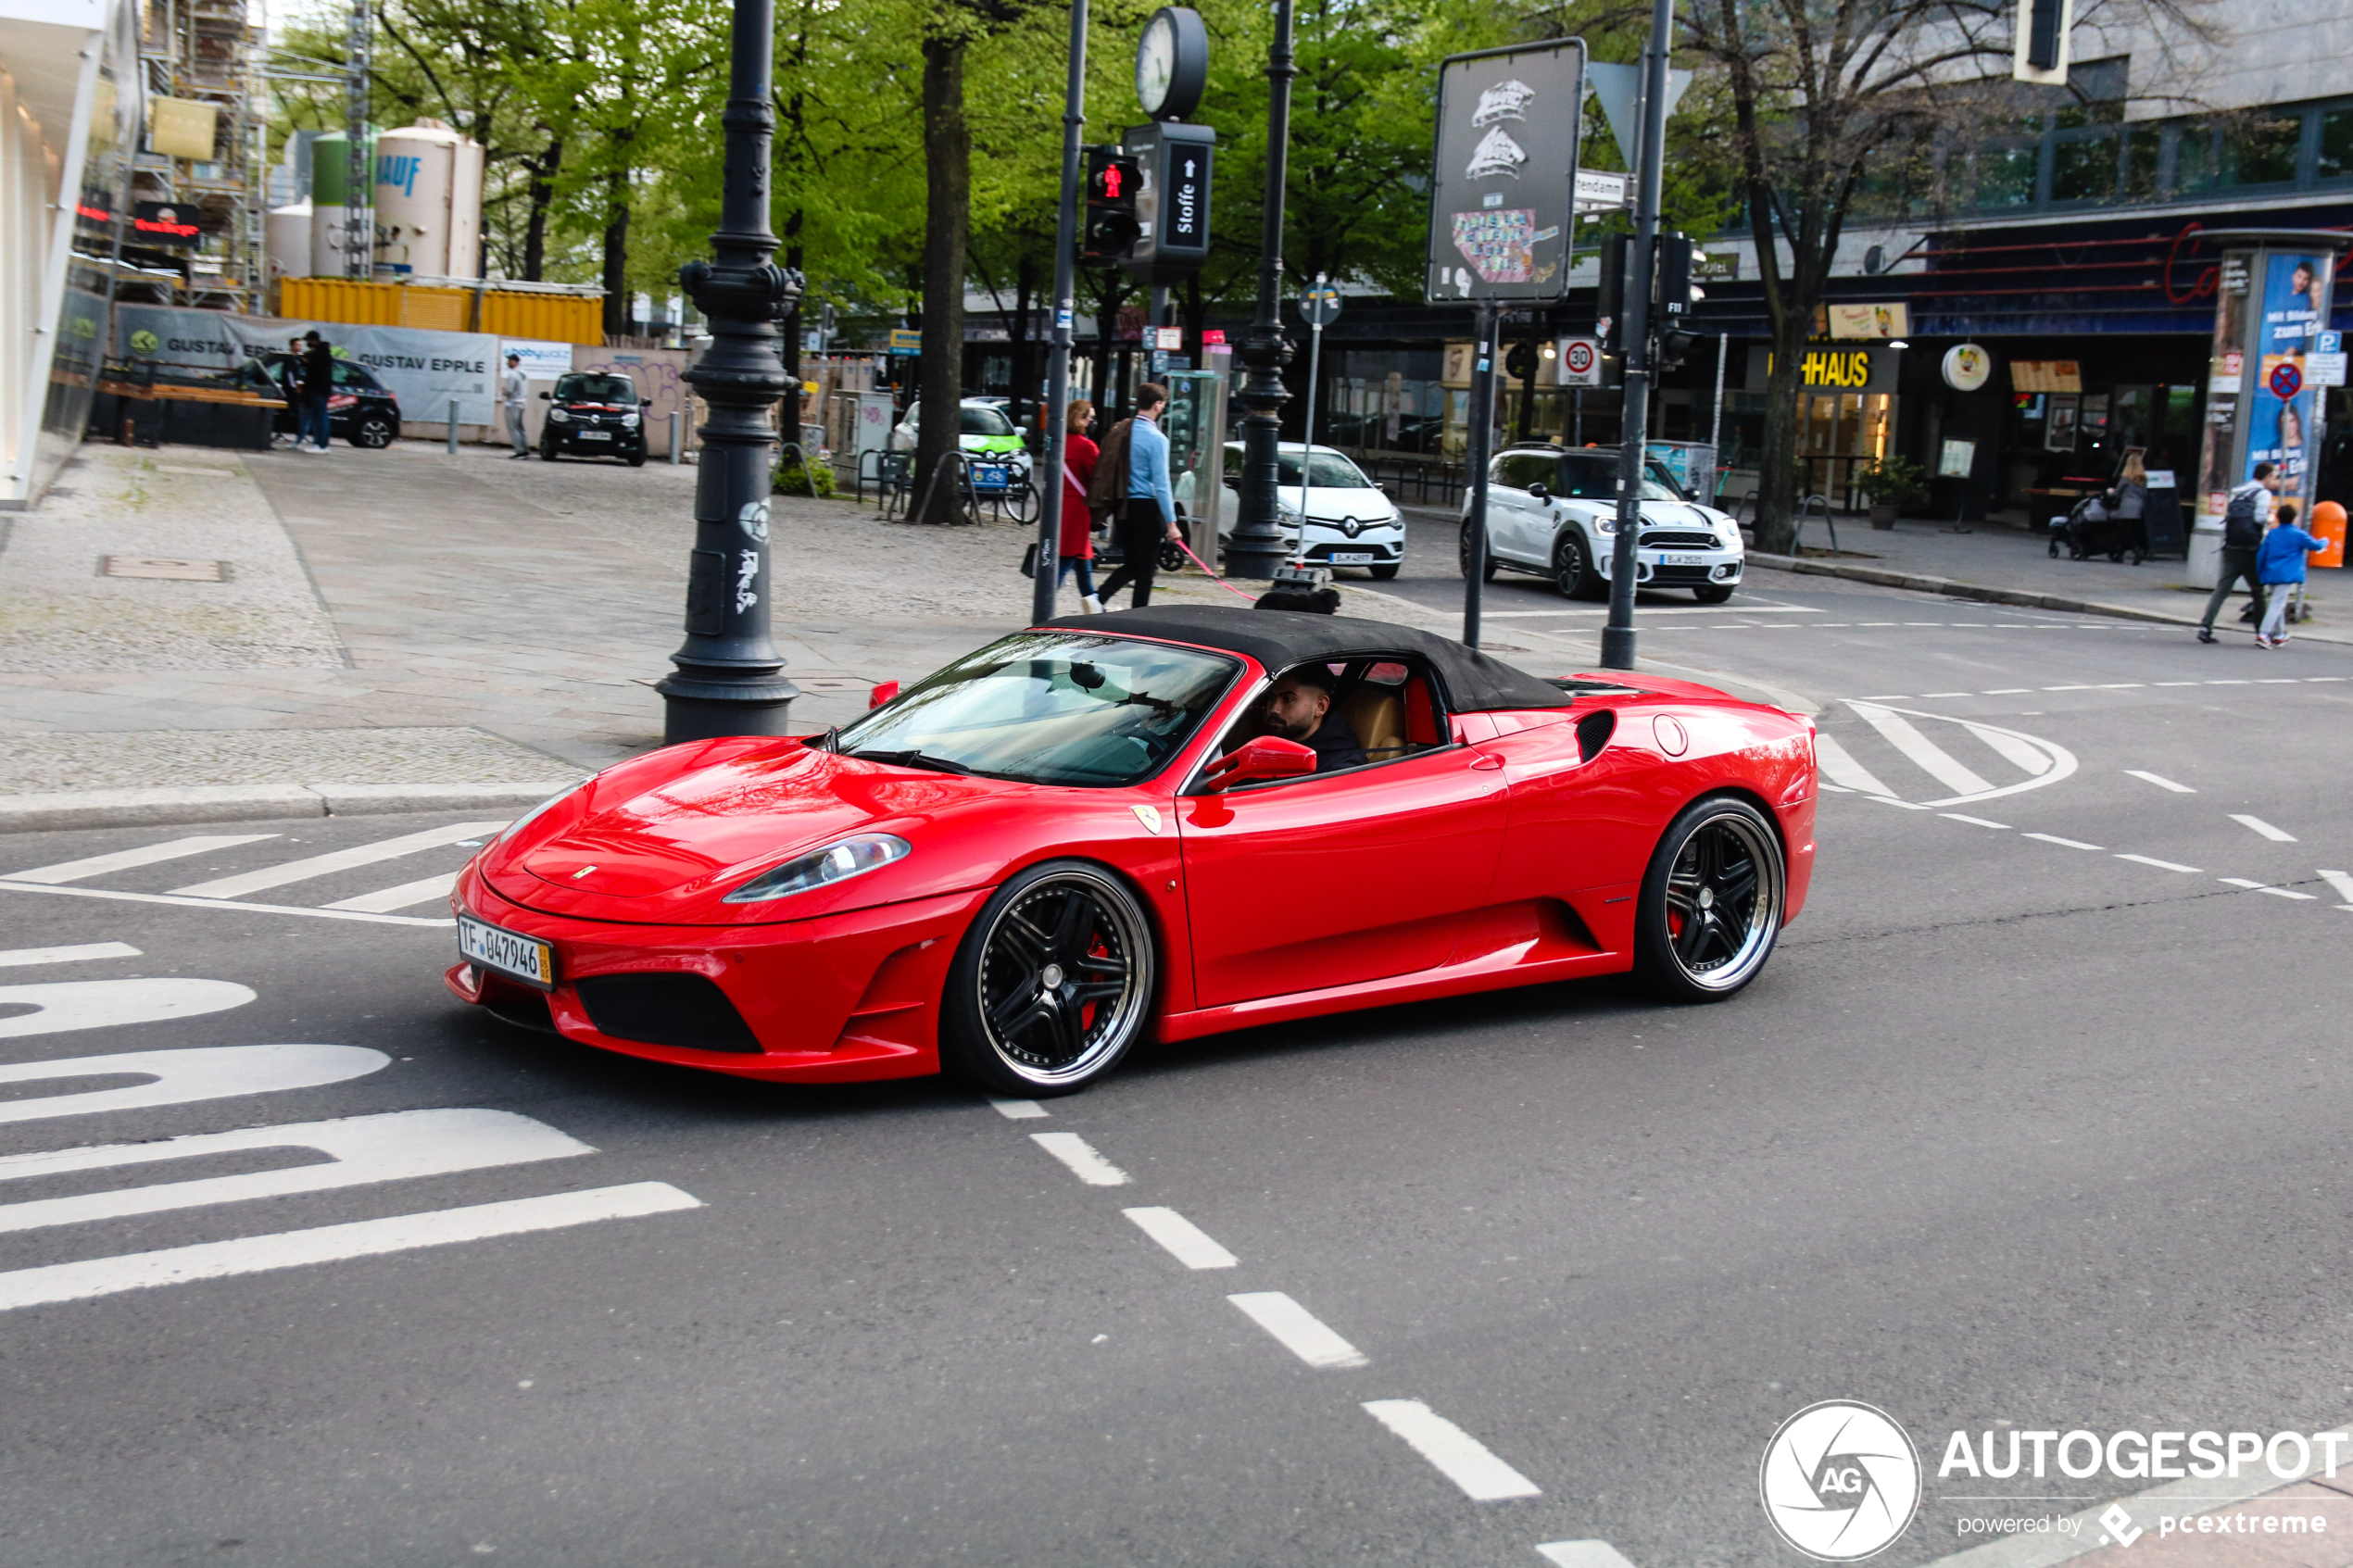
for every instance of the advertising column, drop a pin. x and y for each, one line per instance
(2261, 403)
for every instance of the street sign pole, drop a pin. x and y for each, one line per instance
(1320, 305)
(1481, 444)
(1617, 636)
(1049, 498)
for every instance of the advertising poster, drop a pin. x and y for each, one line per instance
(1502, 199)
(2282, 415)
(423, 370)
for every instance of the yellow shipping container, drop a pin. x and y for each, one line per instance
(550, 317)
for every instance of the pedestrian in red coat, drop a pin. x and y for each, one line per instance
(1076, 548)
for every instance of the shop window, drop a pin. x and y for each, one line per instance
(2005, 175)
(2261, 150)
(2194, 159)
(2335, 162)
(2084, 168)
(2141, 144)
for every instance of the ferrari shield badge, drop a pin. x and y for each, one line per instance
(1148, 816)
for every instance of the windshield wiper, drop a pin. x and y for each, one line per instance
(911, 759)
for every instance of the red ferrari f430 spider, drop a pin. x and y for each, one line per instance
(1156, 824)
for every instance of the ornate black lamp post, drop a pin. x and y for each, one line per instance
(1257, 550)
(730, 678)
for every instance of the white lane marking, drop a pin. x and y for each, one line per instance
(337, 860)
(362, 1150)
(327, 1244)
(1901, 734)
(2176, 683)
(1298, 1330)
(2161, 865)
(1084, 1163)
(1835, 789)
(2064, 843)
(2006, 691)
(1583, 1554)
(1459, 1457)
(16, 957)
(2159, 780)
(2028, 759)
(127, 859)
(385, 900)
(2070, 688)
(2258, 825)
(2119, 686)
(175, 901)
(1927, 695)
(184, 1075)
(2238, 882)
(1840, 764)
(1891, 801)
(2285, 893)
(1018, 1109)
(1186, 1241)
(2342, 882)
(1973, 821)
(101, 1004)
(2316, 680)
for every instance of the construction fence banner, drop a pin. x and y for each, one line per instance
(424, 369)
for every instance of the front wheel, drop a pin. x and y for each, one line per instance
(1711, 902)
(373, 431)
(1051, 985)
(1573, 571)
(1384, 574)
(637, 458)
(1713, 593)
(548, 451)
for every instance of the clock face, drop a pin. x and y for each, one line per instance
(1156, 62)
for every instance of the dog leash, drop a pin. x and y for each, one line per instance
(1213, 576)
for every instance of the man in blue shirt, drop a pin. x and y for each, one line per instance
(1148, 514)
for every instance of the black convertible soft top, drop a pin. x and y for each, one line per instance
(1473, 681)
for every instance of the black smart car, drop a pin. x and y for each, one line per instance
(361, 410)
(591, 414)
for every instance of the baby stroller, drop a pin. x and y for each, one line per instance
(2092, 528)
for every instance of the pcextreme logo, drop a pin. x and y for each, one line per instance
(1841, 1481)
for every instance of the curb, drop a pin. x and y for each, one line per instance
(1953, 589)
(245, 803)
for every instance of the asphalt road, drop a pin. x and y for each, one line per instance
(2036, 1117)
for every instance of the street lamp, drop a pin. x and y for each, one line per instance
(1258, 550)
(730, 678)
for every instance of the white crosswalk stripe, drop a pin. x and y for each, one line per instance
(17, 957)
(1905, 756)
(385, 900)
(130, 859)
(336, 860)
(1932, 758)
(1840, 767)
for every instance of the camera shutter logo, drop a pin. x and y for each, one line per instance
(1841, 1481)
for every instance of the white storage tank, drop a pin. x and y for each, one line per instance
(329, 177)
(287, 242)
(428, 196)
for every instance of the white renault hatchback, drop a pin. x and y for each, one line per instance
(1554, 512)
(1350, 521)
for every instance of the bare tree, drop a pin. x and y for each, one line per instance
(1820, 90)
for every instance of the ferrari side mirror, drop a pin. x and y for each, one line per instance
(1256, 761)
(888, 691)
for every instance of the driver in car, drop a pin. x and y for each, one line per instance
(1299, 707)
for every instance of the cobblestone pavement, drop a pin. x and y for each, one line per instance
(144, 758)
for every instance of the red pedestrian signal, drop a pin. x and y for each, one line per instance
(1112, 226)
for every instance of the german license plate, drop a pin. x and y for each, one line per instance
(1350, 557)
(595, 435)
(1683, 560)
(510, 953)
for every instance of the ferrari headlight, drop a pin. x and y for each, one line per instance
(561, 415)
(835, 862)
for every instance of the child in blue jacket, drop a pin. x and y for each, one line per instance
(2279, 560)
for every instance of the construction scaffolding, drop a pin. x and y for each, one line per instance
(202, 55)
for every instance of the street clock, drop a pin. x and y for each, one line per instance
(1172, 63)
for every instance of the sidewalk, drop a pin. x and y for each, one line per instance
(1927, 556)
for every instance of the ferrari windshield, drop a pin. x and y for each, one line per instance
(1050, 707)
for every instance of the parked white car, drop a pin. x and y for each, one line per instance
(1350, 521)
(1554, 512)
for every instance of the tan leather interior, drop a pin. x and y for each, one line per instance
(1378, 715)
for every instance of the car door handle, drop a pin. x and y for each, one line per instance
(1485, 759)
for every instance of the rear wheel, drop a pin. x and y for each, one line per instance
(1711, 903)
(1463, 556)
(1051, 985)
(1573, 569)
(373, 431)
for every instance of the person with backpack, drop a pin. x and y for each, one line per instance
(2280, 564)
(2243, 517)
(1131, 484)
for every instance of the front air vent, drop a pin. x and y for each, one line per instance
(687, 1011)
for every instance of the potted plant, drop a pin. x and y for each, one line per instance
(1892, 484)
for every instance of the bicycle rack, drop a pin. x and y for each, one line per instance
(801, 458)
(1804, 510)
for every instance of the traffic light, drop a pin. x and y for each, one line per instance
(1609, 309)
(1674, 278)
(1175, 161)
(1674, 347)
(1114, 182)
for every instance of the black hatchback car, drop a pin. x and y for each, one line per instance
(360, 408)
(595, 415)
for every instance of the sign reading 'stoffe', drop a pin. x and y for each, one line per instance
(1503, 192)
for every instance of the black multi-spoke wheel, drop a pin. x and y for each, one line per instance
(1711, 904)
(1573, 571)
(1051, 985)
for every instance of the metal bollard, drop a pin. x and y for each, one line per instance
(453, 427)
(678, 453)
